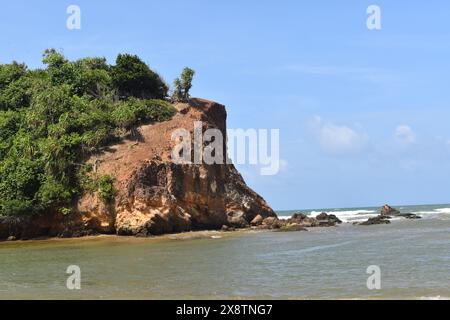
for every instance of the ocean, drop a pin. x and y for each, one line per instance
(437, 211)
(413, 257)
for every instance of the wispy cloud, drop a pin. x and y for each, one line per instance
(283, 165)
(337, 139)
(404, 135)
(358, 73)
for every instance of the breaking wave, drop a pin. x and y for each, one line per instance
(358, 215)
(344, 215)
(440, 214)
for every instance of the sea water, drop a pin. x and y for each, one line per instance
(324, 263)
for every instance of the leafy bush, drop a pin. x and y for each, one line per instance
(16, 207)
(106, 189)
(133, 112)
(10, 73)
(133, 78)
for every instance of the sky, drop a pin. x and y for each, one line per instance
(363, 114)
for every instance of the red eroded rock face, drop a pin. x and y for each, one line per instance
(166, 197)
(157, 196)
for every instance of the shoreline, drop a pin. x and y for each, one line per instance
(297, 222)
(183, 236)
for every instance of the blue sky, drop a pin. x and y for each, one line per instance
(363, 115)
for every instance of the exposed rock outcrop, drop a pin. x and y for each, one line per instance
(154, 194)
(388, 211)
(272, 223)
(303, 220)
(409, 216)
(162, 197)
(53, 225)
(292, 227)
(375, 220)
(329, 220)
(159, 196)
(299, 222)
(322, 220)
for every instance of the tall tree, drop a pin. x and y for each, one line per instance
(183, 85)
(133, 78)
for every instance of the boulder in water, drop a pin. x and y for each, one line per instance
(299, 216)
(303, 220)
(410, 216)
(292, 227)
(325, 219)
(272, 223)
(375, 220)
(387, 210)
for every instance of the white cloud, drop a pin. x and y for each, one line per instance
(375, 75)
(283, 165)
(404, 135)
(336, 139)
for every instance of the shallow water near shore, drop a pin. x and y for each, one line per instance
(324, 263)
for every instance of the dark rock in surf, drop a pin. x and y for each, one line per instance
(410, 216)
(375, 220)
(293, 227)
(325, 219)
(303, 220)
(387, 210)
(272, 223)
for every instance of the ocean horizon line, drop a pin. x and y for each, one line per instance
(363, 207)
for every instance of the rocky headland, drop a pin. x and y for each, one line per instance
(154, 195)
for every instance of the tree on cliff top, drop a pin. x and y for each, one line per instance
(183, 85)
(133, 78)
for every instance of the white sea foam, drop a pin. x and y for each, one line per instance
(441, 214)
(349, 215)
(344, 215)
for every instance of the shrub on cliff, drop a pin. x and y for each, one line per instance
(52, 120)
(130, 113)
(11, 72)
(133, 78)
(14, 84)
(106, 188)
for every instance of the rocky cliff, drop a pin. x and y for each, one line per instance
(155, 195)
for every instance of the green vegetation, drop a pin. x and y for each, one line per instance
(183, 85)
(133, 78)
(106, 188)
(52, 120)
